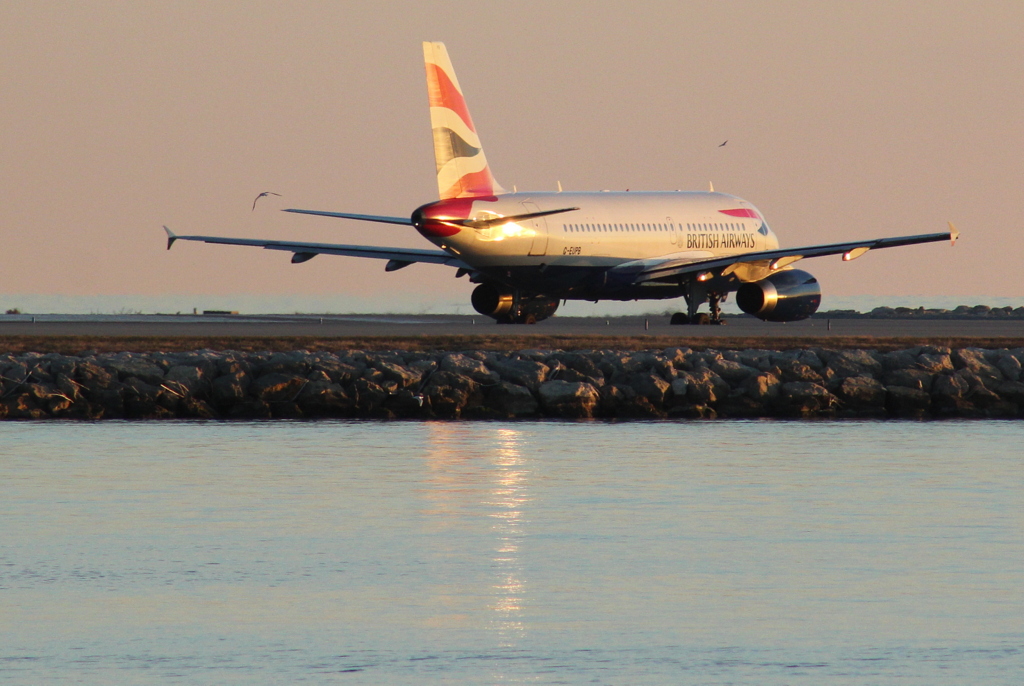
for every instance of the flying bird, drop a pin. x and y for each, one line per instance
(261, 195)
(722, 145)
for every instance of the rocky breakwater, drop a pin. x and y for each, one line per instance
(917, 382)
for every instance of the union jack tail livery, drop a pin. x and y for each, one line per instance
(462, 170)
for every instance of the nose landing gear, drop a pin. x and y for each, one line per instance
(695, 299)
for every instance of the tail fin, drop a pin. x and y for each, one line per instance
(462, 169)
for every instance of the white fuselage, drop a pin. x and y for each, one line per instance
(609, 228)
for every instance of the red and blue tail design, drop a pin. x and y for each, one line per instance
(462, 170)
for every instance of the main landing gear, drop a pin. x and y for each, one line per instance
(693, 301)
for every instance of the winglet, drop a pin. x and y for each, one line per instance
(953, 234)
(170, 237)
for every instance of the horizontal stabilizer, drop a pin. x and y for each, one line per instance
(362, 217)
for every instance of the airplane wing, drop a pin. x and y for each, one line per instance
(301, 252)
(760, 264)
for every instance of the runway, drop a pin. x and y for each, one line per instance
(403, 326)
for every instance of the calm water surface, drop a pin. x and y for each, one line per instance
(581, 553)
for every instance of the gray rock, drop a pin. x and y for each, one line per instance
(49, 397)
(614, 397)
(568, 399)
(862, 396)
(1012, 391)
(733, 372)
(194, 408)
(949, 386)
(232, 364)
(511, 400)
(468, 367)
(294, 363)
(758, 359)
(847, 363)
(792, 371)
(425, 367)
(146, 401)
(693, 412)
(677, 357)
(990, 401)
(448, 395)
(622, 401)
(678, 388)
(40, 372)
(567, 374)
(762, 387)
(339, 372)
(639, 362)
(369, 398)
(138, 368)
(107, 403)
(230, 389)
(898, 359)
(910, 378)
(741, 405)
(318, 375)
(811, 359)
(989, 378)
(705, 387)
(92, 376)
(901, 401)
(938, 363)
(974, 361)
(578, 363)
(522, 372)
(323, 398)
(21, 406)
(250, 408)
(186, 378)
(68, 387)
(275, 387)
(650, 386)
(802, 397)
(400, 375)
(1009, 365)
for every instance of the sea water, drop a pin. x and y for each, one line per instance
(748, 552)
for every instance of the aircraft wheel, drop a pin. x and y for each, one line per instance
(530, 319)
(702, 318)
(679, 319)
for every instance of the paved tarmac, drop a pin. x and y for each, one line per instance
(440, 325)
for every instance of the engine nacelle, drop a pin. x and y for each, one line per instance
(506, 308)
(785, 296)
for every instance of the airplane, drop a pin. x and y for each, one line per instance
(529, 251)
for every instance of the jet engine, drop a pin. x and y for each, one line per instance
(508, 307)
(785, 296)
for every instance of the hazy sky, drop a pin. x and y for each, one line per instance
(845, 120)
